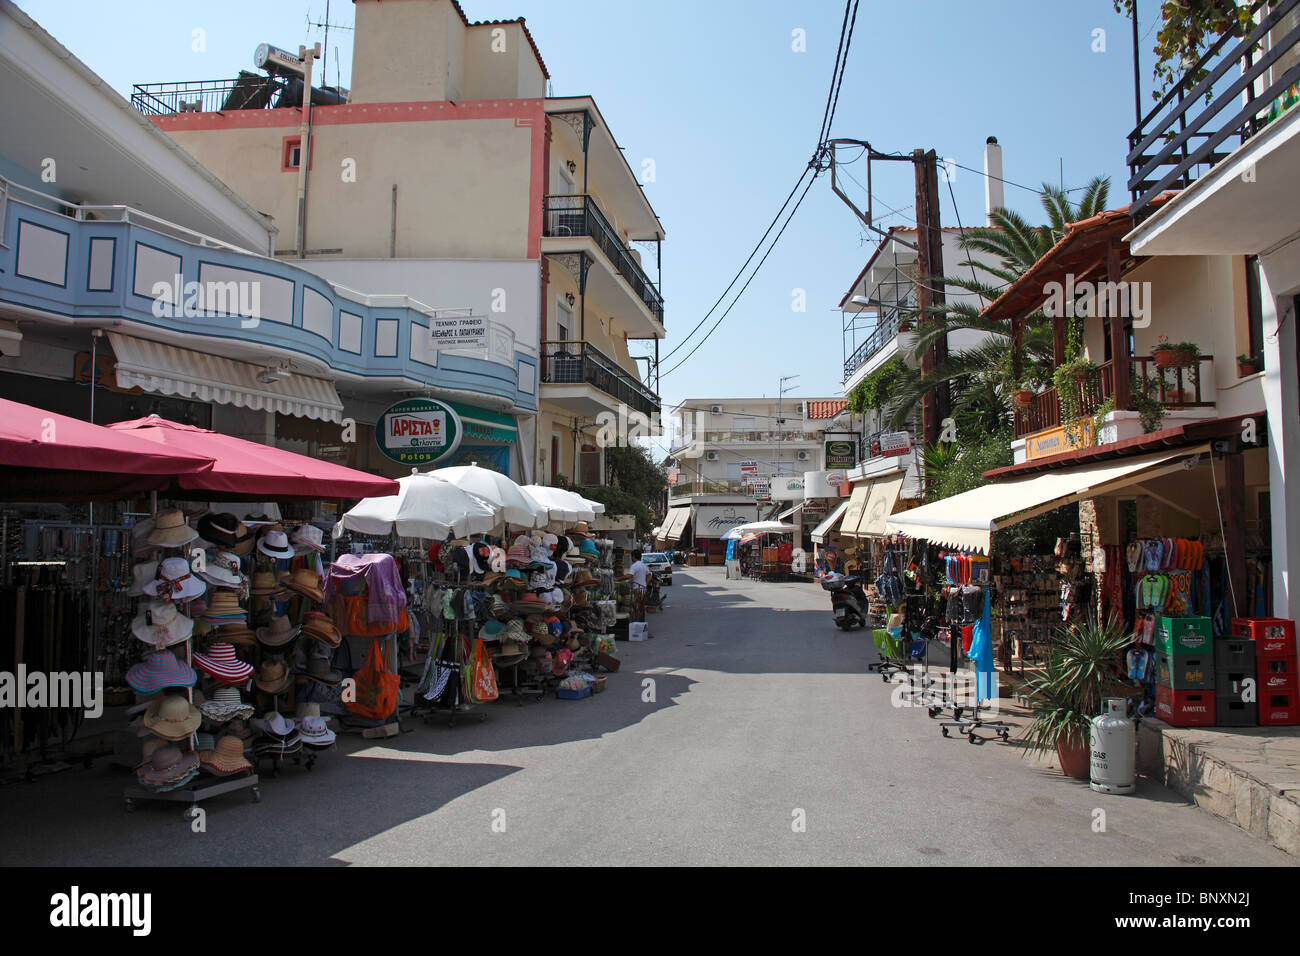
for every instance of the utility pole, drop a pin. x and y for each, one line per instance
(780, 420)
(929, 289)
(308, 57)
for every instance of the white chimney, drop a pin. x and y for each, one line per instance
(992, 178)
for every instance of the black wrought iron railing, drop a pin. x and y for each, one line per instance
(892, 321)
(580, 216)
(1199, 122)
(248, 91)
(580, 363)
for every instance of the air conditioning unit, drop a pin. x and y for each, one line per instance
(715, 409)
(804, 455)
(710, 456)
(799, 408)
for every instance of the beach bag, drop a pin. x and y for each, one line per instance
(377, 689)
(479, 677)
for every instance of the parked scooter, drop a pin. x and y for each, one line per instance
(848, 600)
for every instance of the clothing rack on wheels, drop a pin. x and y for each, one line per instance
(967, 610)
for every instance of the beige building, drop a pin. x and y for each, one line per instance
(446, 174)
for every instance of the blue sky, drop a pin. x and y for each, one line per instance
(713, 92)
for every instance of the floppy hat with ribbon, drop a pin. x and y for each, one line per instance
(273, 675)
(307, 537)
(306, 582)
(160, 624)
(221, 663)
(279, 633)
(175, 582)
(226, 758)
(225, 704)
(170, 529)
(318, 626)
(221, 568)
(275, 544)
(167, 765)
(173, 718)
(158, 670)
(277, 725)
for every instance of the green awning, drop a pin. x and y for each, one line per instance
(482, 424)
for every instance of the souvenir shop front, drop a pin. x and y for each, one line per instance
(1172, 546)
(200, 621)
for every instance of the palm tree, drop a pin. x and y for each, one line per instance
(979, 379)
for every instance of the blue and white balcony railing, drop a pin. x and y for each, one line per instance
(82, 264)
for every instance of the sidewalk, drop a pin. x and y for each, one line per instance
(1248, 775)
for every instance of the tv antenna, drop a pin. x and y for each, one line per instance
(325, 46)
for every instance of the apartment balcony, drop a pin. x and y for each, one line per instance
(1176, 389)
(576, 224)
(248, 91)
(687, 489)
(892, 335)
(578, 376)
(764, 438)
(1230, 142)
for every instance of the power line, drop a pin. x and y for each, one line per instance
(828, 113)
(740, 272)
(741, 293)
(1040, 192)
(848, 40)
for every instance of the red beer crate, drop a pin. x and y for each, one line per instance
(1273, 636)
(1278, 708)
(1185, 708)
(1277, 674)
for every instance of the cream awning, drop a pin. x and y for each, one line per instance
(968, 520)
(824, 529)
(673, 526)
(879, 506)
(857, 504)
(168, 370)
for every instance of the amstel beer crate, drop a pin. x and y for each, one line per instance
(1185, 708)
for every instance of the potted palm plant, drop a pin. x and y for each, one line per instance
(1083, 668)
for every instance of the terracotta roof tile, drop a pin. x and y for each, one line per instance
(826, 409)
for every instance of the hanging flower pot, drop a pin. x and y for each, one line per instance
(1184, 357)
(1165, 357)
(1022, 398)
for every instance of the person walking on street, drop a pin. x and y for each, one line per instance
(638, 574)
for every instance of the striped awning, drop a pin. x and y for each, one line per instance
(486, 425)
(168, 370)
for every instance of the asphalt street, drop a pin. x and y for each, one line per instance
(747, 731)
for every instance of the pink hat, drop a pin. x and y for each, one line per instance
(220, 662)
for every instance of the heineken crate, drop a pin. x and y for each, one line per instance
(1176, 636)
(1185, 671)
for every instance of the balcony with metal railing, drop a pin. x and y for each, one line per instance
(581, 363)
(1172, 388)
(684, 489)
(763, 437)
(248, 91)
(570, 216)
(894, 320)
(1238, 87)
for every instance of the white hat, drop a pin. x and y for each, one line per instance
(315, 732)
(175, 582)
(221, 568)
(274, 723)
(142, 573)
(307, 537)
(275, 544)
(160, 624)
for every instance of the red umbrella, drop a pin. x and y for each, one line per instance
(46, 455)
(254, 471)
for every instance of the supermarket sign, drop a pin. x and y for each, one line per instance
(418, 431)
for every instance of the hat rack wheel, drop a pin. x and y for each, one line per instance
(1005, 735)
(944, 731)
(935, 711)
(257, 794)
(130, 805)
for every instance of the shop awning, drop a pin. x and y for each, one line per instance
(168, 370)
(788, 512)
(45, 456)
(246, 469)
(968, 520)
(857, 504)
(674, 525)
(486, 425)
(879, 506)
(823, 530)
